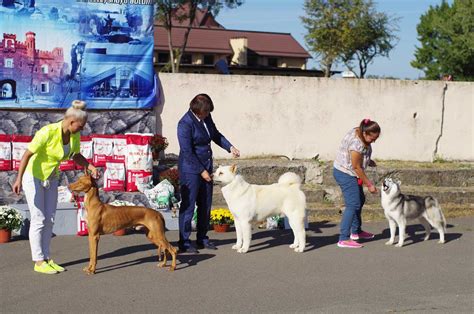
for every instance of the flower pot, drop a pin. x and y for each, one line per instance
(221, 228)
(120, 232)
(5, 235)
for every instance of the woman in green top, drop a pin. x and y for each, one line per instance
(38, 175)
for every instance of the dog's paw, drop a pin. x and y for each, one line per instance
(441, 241)
(162, 264)
(88, 270)
(299, 250)
(399, 244)
(389, 243)
(242, 250)
(236, 247)
(293, 246)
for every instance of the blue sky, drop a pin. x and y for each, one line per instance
(284, 16)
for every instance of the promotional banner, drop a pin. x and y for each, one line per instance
(55, 51)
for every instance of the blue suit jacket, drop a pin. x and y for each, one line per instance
(195, 153)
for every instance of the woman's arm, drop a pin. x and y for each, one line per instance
(21, 170)
(356, 160)
(82, 161)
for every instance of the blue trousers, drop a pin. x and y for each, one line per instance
(354, 199)
(195, 191)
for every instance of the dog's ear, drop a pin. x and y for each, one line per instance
(233, 168)
(398, 182)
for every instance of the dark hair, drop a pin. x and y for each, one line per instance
(201, 103)
(369, 126)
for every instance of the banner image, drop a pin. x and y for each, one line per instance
(55, 51)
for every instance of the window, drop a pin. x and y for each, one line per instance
(8, 62)
(252, 61)
(44, 69)
(208, 59)
(273, 62)
(186, 59)
(163, 57)
(45, 87)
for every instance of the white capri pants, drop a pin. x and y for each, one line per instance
(42, 203)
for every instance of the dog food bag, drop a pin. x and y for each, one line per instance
(19, 146)
(161, 196)
(67, 165)
(114, 176)
(5, 152)
(86, 150)
(64, 195)
(134, 176)
(102, 147)
(139, 161)
(120, 148)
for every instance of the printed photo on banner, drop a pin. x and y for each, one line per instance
(55, 51)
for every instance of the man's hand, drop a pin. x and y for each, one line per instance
(372, 189)
(94, 171)
(205, 175)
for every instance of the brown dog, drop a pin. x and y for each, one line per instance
(103, 219)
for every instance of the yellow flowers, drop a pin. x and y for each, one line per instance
(220, 216)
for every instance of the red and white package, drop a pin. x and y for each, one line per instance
(5, 152)
(139, 162)
(81, 217)
(67, 165)
(120, 148)
(19, 146)
(114, 176)
(137, 175)
(86, 150)
(102, 148)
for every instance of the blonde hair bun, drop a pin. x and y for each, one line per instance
(78, 104)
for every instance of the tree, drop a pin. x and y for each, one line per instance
(326, 22)
(344, 30)
(446, 34)
(372, 35)
(168, 11)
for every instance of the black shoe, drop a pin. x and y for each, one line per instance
(206, 245)
(187, 249)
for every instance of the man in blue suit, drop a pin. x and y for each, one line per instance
(195, 132)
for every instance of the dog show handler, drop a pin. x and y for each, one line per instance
(353, 157)
(38, 175)
(196, 130)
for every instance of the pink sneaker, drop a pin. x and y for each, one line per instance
(350, 244)
(362, 235)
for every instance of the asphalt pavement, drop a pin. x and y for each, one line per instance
(422, 277)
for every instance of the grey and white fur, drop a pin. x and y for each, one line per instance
(399, 208)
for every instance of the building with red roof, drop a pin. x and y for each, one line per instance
(213, 49)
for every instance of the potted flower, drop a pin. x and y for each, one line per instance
(10, 219)
(172, 175)
(221, 219)
(158, 144)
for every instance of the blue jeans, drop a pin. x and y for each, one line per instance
(354, 199)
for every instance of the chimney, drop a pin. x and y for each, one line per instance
(239, 46)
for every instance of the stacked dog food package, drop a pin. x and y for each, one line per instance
(126, 159)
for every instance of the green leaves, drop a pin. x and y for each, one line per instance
(446, 34)
(347, 31)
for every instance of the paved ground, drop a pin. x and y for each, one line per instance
(421, 277)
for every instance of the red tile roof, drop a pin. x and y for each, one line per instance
(217, 40)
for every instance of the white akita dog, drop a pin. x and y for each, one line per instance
(250, 202)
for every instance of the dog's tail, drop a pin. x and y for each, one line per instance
(290, 178)
(434, 210)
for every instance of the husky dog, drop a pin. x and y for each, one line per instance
(399, 208)
(250, 202)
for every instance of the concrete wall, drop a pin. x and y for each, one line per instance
(301, 117)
